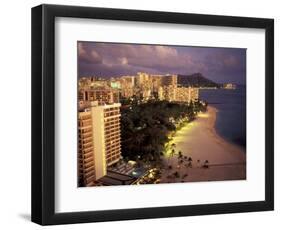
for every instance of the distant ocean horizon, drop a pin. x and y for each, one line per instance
(231, 116)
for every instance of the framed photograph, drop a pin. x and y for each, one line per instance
(142, 114)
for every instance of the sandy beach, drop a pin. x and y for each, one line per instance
(200, 141)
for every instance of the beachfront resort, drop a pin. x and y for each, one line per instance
(150, 129)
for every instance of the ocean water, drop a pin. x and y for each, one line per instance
(231, 116)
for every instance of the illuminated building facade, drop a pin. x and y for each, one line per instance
(99, 141)
(186, 94)
(169, 93)
(102, 95)
(142, 79)
(127, 86)
(170, 80)
(160, 93)
(86, 163)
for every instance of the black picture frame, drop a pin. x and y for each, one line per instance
(43, 114)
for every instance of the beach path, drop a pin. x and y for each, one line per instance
(200, 141)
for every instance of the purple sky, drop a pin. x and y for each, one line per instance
(115, 59)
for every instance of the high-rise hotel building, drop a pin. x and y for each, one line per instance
(102, 95)
(127, 86)
(99, 141)
(86, 163)
(187, 94)
(170, 80)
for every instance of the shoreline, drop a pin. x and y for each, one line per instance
(223, 141)
(200, 141)
(243, 147)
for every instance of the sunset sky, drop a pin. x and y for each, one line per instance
(115, 59)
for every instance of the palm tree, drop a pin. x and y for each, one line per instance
(173, 149)
(190, 162)
(171, 155)
(180, 155)
(184, 176)
(206, 164)
(176, 174)
(172, 152)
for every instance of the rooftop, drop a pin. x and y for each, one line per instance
(115, 178)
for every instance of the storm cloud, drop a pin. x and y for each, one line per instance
(115, 59)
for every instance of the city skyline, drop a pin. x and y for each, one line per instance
(104, 119)
(116, 59)
(141, 122)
